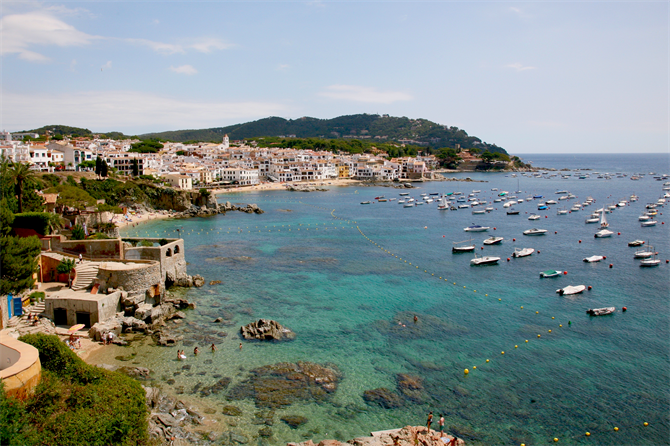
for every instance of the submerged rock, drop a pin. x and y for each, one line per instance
(266, 330)
(294, 421)
(283, 384)
(383, 397)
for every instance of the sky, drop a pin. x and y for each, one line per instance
(531, 77)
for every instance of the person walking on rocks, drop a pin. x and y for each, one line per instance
(430, 420)
(441, 424)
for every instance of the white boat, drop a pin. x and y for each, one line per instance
(489, 208)
(463, 206)
(401, 201)
(644, 253)
(493, 241)
(404, 193)
(600, 311)
(485, 260)
(365, 202)
(550, 273)
(650, 261)
(476, 228)
(603, 221)
(571, 289)
(562, 212)
(512, 211)
(603, 233)
(593, 218)
(533, 217)
(522, 252)
(552, 202)
(464, 246)
(509, 204)
(534, 231)
(479, 211)
(594, 259)
(648, 223)
(408, 205)
(419, 203)
(575, 209)
(636, 243)
(644, 217)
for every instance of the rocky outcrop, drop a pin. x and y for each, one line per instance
(213, 208)
(170, 420)
(304, 188)
(266, 330)
(383, 397)
(190, 281)
(407, 436)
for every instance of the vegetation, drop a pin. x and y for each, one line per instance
(78, 233)
(372, 128)
(74, 404)
(65, 267)
(21, 174)
(72, 195)
(44, 223)
(18, 256)
(151, 145)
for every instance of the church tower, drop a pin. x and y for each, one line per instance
(226, 142)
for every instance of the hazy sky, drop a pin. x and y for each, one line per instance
(532, 77)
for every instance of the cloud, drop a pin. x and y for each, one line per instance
(128, 111)
(520, 12)
(184, 69)
(283, 67)
(19, 32)
(203, 45)
(519, 67)
(107, 66)
(364, 94)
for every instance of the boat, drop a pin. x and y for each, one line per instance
(644, 253)
(594, 259)
(534, 231)
(512, 211)
(493, 241)
(603, 233)
(648, 223)
(476, 228)
(462, 247)
(636, 243)
(552, 202)
(593, 218)
(365, 202)
(650, 261)
(392, 199)
(600, 311)
(644, 217)
(379, 197)
(419, 203)
(562, 212)
(570, 290)
(404, 193)
(382, 200)
(479, 211)
(408, 205)
(533, 217)
(561, 192)
(463, 206)
(603, 221)
(485, 260)
(550, 273)
(542, 207)
(522, 252)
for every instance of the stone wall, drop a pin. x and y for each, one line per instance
(98, 306)
(170, 256)
(145, 276)
(90, 249)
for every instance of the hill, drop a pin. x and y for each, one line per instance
(73, 132)
(364, 127)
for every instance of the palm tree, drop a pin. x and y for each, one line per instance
(21, 173)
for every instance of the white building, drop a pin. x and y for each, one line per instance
(239, 175)
(179, 181)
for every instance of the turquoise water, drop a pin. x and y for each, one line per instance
(339, 275)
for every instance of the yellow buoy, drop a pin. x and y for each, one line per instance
(466, 371)
(560, 325)
(616, 429)
(516, 346)
(502, 353)
(588, 434)
(526, 341)
(522, 307)
(487, 360)
(555, 440)
(538, 336)
(646, 424)
(552, 317)
(537, 312)
(549, 331)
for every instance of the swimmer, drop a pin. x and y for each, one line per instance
(213, 348)
(240, 346)
(196, 351)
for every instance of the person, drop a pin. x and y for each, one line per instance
(453, 441)
(110, 337)
(416, 319)
(441, 424)
(240, 346)
(196, 350)
(430, 420)
(213, 348)
(81, 258)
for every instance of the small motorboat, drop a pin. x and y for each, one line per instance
(485, 260)
(408, 205)
(562, 212)
(404, 193)
(533, 217)
(382, 200)
(479, 211)
(600, 311)
(534, 231)
(648, 223)
(636, 243)
(476, 228)
(550, 273)
(594, 259)
(464, 246)
(603, 233)
(644, 217)
(644, 253)
(593, 218)
(379, 197)
(552, 202)
(542, 207)
(512, 211)
(650, 261)
(493, 241)
(570, 290)
(365, 202)
(522, 252)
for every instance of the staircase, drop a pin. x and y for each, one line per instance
(86, 274)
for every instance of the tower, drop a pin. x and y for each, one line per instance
(226, 142)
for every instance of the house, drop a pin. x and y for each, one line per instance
(179, 181)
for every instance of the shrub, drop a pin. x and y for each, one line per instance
(37, 296)
(147, 243)
(79, 404)
(99, 236)
(78, 233)
(163, 242)
(42, 222)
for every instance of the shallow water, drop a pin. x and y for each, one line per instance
(339, 275)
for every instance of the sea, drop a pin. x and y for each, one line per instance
(349, 278)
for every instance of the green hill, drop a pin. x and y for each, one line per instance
(364, 127)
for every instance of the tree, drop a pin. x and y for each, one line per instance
(18, 263)
(65, 267)
(72, 196)
(6, 219)
(487, 157)
(20, 173)
(104, 169)
(78, 233)
(135, 167)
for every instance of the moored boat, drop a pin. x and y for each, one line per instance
(600, 311)
(493, 241)
(571, 289)
(476, 228)
(593, 259)
(534, 231)
(365, 202)
(485, 260)
(636, 243)
(464, 246)
(603, 233)
(522, 252)
(550, 273)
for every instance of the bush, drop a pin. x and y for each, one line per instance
(37, 296)
(163, 242)
(99, 236)
(78, 233)
(41, 222)
(147, 243)
(79, 404)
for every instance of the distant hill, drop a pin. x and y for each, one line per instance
(73, 132)
(364, 127)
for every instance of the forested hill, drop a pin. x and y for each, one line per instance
(365, 127)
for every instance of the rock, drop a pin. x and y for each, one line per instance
(265, 432)
(133, 324)
(294, 421)
(218, 320)
(215, 282)
(99, 328)
(143, 312)
(165, 338)
(198, 280)
(135, 372)
(282, 384)
(220, 385)
(266, 330)
(330, 443)
(238, 438)
(178, 315)
(383, 397)
(167, 419)
(411, 387)
(231, 411)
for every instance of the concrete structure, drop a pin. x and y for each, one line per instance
(20, 367)
(178, 181)
(68, 307)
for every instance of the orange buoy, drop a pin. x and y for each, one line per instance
(611, 265)
(580, 241)
(508, 259)
(555, 232)
(590, 287)
(482, 247)
(565, 273)
(514, 240)
(618, 233)
(605, 257)
(538, 251)
(624, 308)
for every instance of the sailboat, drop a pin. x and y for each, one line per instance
(603, 221)
(518, 189)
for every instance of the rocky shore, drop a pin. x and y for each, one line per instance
(214, 208)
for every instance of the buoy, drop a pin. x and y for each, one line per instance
(522, 307)
(588, 434)
(605, 257)
(473, 368)
(516, 346)
(499, 299)
(561, 325)
(502, 353)
(442, 236)
(538, 251)
(482, 247)
(555, 232)
(646, 424)
(624, 309)
(580, 241)
(487, 360)
(611, 265)
(508, 259)
(466, 371)
(494, 228)
(538, 336)
(549, 331)
(514, 240)
(565, 273)
(526, 341)
(552, 317)
(546, 216)
(555, 440)
(616, 429)
(590, 287)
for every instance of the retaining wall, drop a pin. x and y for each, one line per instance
(21, 369)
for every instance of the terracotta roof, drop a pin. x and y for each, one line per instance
(50, 198)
